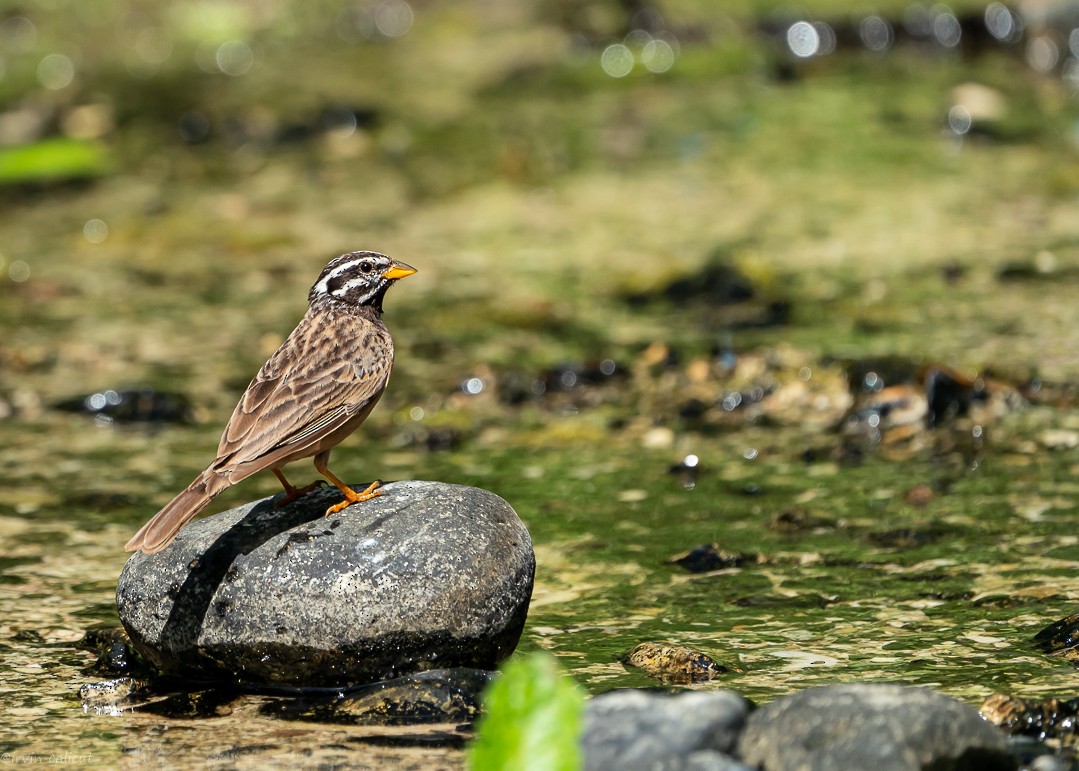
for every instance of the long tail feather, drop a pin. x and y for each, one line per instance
(158, 533)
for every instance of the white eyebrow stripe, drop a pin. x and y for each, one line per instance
(350, 285)
(324, 284)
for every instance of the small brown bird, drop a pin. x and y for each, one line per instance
(315, 390)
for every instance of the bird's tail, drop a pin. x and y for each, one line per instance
(158, 533)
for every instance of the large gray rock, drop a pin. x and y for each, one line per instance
(879, 727)
(655, 731)
(428, 575)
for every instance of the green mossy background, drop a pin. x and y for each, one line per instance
(535, 193)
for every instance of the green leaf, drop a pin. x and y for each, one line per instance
(531, 720)
(52, 160)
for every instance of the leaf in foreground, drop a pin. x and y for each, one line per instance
(531, 720)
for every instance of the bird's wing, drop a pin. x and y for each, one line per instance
(306, 390)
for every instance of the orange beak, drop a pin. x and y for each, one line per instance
(398, 270)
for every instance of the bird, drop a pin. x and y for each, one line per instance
(314, 391)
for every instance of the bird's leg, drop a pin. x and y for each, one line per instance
(351, 496)
(292, 493)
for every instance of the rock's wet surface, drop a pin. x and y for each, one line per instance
(424, 576)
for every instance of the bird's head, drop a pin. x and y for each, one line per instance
(358, 278)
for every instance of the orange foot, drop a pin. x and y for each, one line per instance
(351, 497)
(292, 493)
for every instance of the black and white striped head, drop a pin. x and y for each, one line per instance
(358, 278)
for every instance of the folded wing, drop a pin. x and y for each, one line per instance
(297, 400)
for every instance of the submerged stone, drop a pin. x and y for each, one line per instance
(109, 697)
(143, 405)
(710, 556)
(1061, 638)
(436, 696)
(1054, 720)
(427, 575)
(673, 663)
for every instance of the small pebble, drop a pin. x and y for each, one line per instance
(658, 438)
(1059, 439)
(673, 663)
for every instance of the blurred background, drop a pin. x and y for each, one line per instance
(797, 280)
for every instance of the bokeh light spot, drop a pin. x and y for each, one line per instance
(95, 231)
(18, 34)
(1002, 24)
(234, 58)
(56, 71)
(803, 39)
(340, 122)
(393, 18)
(959, 120)
(18, 271)
(876, 33)
(617, 60)
(946, 28)
(657, 56)
(637, 39)
(827, 38)
(1042, 54)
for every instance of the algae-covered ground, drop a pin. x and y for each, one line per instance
(614, 273)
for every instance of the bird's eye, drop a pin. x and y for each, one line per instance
(366, 267)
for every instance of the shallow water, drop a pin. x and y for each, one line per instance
(531, 218)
